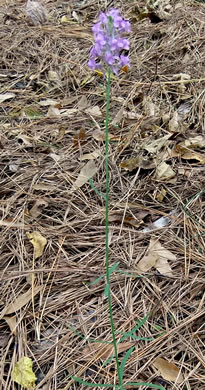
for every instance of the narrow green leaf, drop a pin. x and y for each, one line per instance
(106, 290)
(138, 326)
(95, 189)
(113, 268)
(96, 280)
(108, 360)
(124, 360)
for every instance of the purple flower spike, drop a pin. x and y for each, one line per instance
(109, 42)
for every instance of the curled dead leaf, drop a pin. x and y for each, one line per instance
(91, 156)
(164, 172)
(12, 322)
(157, 144)
(173, 124)
(137, 162)
(94, 111)
(99, 135)
(38, 242)
(157, 256)
(6, 96)
(36, 210)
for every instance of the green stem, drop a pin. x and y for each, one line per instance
(108, 87)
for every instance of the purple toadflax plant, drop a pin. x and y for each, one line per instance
(109, 42)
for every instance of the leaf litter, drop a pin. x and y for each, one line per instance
(74, 221)
(157, 256)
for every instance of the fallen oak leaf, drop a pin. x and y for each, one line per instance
(168, 370)
(157, 256)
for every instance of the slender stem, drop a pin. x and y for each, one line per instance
(108, 87)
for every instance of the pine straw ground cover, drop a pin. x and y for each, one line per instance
(163, 94)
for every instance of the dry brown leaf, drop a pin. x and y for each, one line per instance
(88, 171)
(150, 109)
(53, 76)
(36, 210)
(6, 96)
(65, 19)
(91, 156)
(129, 220)
(99, 135)
(79, 138)
(44, 187)
(193, 143)
(168, 370)
(118, 117)
(12, 322)
(53, 111)
(36, 12)
(68, 112)
(161, 193)
(83, 103)
(104, 352)
(147, 262)
(3, 340)
(157, 256)
(137, 162)
(48, 102)
(157, 144)
(185, 149)
(38, 242)
(22, 300)
(191, 155)
(94, 111)
(174, 123)
(164, 172)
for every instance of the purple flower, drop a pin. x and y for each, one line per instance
(109, 42)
